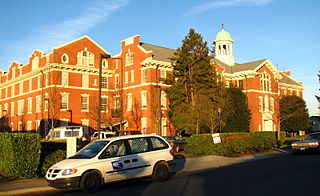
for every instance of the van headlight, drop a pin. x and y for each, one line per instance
(69, 172)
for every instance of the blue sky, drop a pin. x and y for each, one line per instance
(285, 31)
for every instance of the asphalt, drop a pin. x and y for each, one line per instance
(184, 164)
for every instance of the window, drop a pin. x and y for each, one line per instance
(144, 99)
(35, 63)
(104, 83)
(265, 82)
(260, 104)
(158, 144)
(12, 91)
(21, 88)
(117, 102)
(46, 102)
(266, 103)
(104, 104)
(20, 126)
(163, 126)
(116, 82)
(12, 108)
(30, 105)
(115, 149)
(65, 58)
(29, 125)
(85, 58)
(163, 74)
(144, 123)
(20, 107)
(129, 58)
(84, 102)
(13, 74)
(64, 78)
(163, 100)
(117, 64)
(143, 75)
(105, 63)
(47, 79)
(132, 75)
(64, 101)
(129, 102)
(30, 85)
(138, 145)
(38, 103)
(272, 104)
(39, 82)
(85, 80)
(126, 77)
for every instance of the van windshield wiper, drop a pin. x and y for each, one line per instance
(80, 156)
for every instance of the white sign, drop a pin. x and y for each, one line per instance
(216, 138)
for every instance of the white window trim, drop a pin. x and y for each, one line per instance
(88, 103)
(67, 102)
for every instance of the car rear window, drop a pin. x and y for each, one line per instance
(158, 143)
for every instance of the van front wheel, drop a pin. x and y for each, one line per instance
(160, 172)
(90, 182)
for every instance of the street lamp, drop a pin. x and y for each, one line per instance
(102, 56)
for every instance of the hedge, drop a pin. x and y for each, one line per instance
(47, 149)
(51, 159)
(232, 143)
(19, 154)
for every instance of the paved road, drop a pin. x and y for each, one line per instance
(286, 175)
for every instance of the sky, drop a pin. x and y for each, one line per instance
(284, 31)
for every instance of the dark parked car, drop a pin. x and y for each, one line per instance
(311, 142)
(177, 143)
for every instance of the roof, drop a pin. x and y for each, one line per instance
(239, 67)
(288, 80)
(159, 53)
(223, 36)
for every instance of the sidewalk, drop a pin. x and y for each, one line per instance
(188, 164)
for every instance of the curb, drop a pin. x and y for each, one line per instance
(27, 190)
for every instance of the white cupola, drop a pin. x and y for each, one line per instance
(223, 47)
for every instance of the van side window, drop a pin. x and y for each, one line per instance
(115, 149)
(138, 145)
(158, 144)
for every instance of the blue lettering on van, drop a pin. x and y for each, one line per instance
(116, 165)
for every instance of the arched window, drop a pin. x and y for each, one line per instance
(105, 63)
(129, 57)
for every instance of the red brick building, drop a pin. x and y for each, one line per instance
(260, 80)
(61, 87)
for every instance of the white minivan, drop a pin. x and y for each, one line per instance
(113, 159)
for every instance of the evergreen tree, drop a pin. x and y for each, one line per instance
(238, 118)
(293, 114)
(193, 76)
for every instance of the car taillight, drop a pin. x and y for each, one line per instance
(172, 152)
(171, 144)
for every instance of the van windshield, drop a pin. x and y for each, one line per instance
(90, 150)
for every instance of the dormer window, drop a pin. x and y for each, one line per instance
(85, 58)
(65, 58)
(129, 58)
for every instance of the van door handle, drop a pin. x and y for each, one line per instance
(134, 160)
(126, 161)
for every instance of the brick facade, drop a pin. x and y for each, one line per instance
(63, 85)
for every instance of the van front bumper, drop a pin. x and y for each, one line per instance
(64, 183)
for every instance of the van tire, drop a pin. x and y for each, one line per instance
(160, 172)
(91, 182)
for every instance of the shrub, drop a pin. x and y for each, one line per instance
(19, 154)
(47, 148)
(51, 159)
(232, 143)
